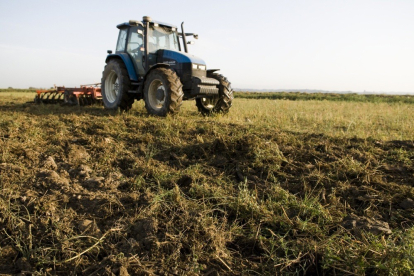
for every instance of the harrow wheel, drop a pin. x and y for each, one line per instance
(37, 100)
(70, 98)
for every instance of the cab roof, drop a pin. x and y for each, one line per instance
(126, 24)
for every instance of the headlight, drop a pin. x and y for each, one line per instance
(202, 67)
(195, 66)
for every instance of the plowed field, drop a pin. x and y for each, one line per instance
(275, 186)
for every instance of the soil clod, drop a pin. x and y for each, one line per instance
(357, 224)
(407, 204)
(50, 164)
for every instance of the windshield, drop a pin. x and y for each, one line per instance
(162, 38)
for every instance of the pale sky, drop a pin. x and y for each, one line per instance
(336, 45)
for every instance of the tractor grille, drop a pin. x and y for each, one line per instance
(205, 86)
(208, 90)
(209, 81)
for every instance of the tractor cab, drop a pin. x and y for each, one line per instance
(147, 48)
(131, 40)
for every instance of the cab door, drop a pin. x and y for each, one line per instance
(135, 48)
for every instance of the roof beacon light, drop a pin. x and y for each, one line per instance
(146, 19)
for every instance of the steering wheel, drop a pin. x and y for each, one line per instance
(135, 50)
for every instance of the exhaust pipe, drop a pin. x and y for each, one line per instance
(184, 39)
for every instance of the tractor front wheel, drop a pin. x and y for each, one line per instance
(206, 106)
(163, 92)
(220, 103)
(115, 86)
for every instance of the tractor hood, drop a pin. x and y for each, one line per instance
(169, 56)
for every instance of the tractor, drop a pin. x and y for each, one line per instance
(150, 63)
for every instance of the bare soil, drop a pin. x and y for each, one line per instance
(88, 192)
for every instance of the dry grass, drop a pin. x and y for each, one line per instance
(276, 186)
(340, 119)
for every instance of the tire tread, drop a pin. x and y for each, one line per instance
(174, 85)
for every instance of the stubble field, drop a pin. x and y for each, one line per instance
(277, 186)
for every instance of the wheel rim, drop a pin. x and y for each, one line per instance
(157, 94)
(112, 87)
(208, 103)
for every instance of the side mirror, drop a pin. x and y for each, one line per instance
(191, 42)
(109, 51)
(195, 36)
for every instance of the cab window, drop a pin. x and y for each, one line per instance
(120, 47)
(135, 48)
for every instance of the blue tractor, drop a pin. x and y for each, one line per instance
(150, 63)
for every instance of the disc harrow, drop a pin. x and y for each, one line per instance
(84, 95)
(49, 96)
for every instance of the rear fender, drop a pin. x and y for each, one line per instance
(128, 64)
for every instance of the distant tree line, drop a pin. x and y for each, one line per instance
(351, 97)
(11, 89)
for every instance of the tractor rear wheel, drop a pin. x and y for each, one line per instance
(115, 85)
(220, 103)
(163, 92)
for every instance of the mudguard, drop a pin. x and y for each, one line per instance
(128, 64)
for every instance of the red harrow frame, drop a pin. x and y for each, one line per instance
(84, 95)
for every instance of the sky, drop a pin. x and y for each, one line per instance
(334, 45)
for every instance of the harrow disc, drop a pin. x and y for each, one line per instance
(70, 98)
(88, 99)
(49, 97)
